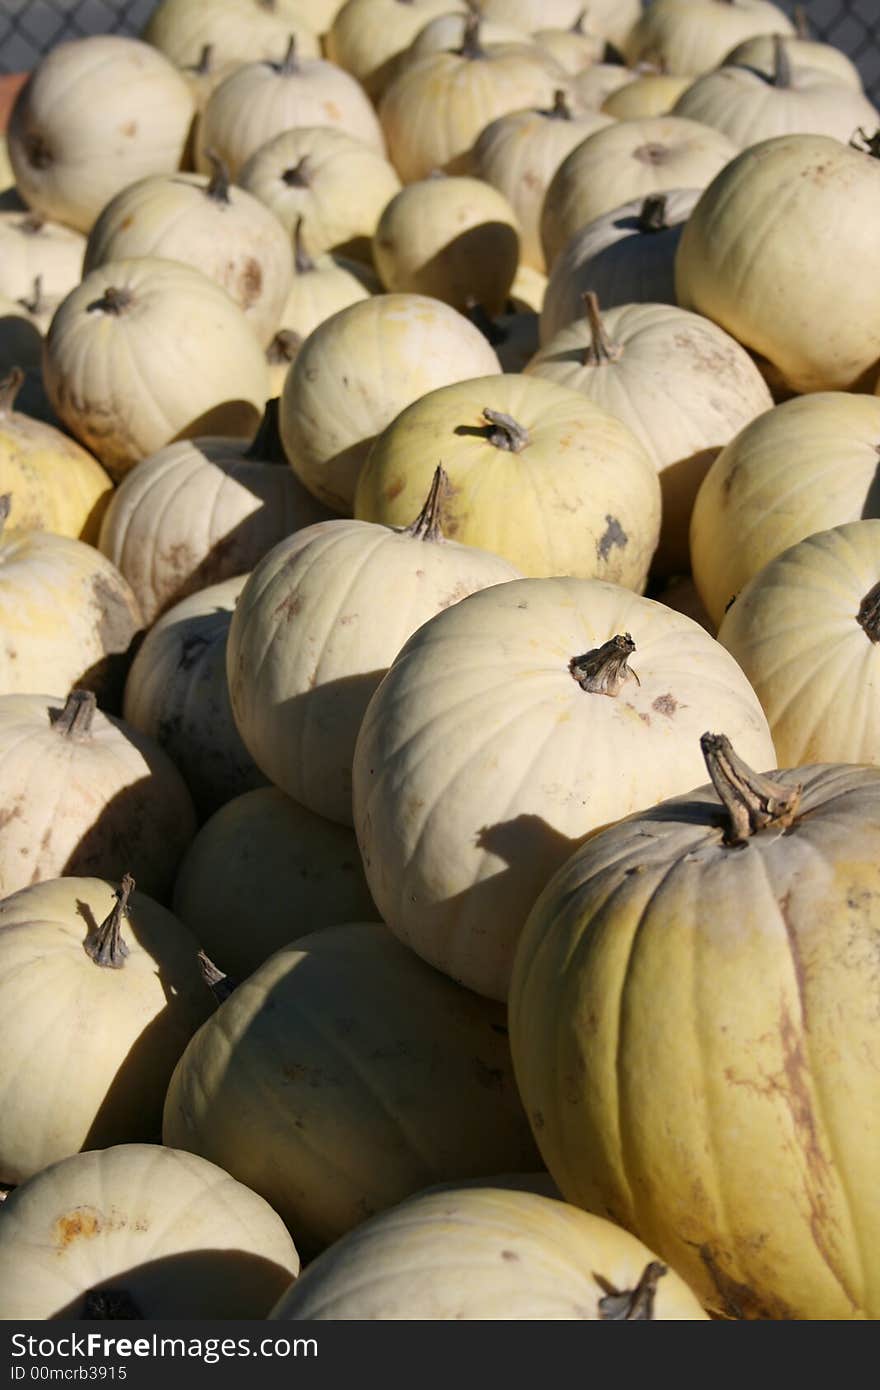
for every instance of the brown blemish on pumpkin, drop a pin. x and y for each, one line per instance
(126, 223)
(652, 153)
(81, 1224)
(288, 607)
(509, 1255)
(394, 490)
(614, 534)
(738, 1300)
(250, 282)
(130, 129)
(665, 704)
(37, 150)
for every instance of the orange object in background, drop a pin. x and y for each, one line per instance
(10, 84)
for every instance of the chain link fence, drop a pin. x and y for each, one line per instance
(28, 28)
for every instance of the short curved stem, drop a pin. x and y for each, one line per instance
(604, 670)
(652, 214)
(601, 350)
(752, 801)
(105, 946)
(36, 304)
(295, 176)
(868, 616)
(283, 347)
(75, 718)
(634, 1305)
(505, 432)
(781, 63)
(113, 301)
(5, 509)
(560, 110)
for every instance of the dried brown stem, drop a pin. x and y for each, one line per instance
(752, 800)
(601, 350)
(506, 433)
(604, 670)
(74, 720)
(633, 1305)
(426, 526)
(868, 616)
(105, 945)
(218, 184)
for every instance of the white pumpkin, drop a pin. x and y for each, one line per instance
(446, 33)
(239, 31)
(95, 115)
(692, 36)
(576, 48)
(592, 87)
(651, 94)
(803, 52)
(612, 18)
(319, 622)
(140, 1231)
(33, 249)
(508, 730)
(147, 351)
(320, 287)
(367, 37)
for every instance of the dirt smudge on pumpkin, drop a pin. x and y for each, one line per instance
(665, 704)
(737, 1299)
(613, 535)
(250, 282)
(394, 489)
(130, 129)
(509, 1255)
(288, 607)
(80, 1224)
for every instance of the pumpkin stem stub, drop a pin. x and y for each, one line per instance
(205, 63)
(10, 386)
(110, 1303)
(506, 433)
(865, 143)
(752, 801)
(219, 984)
(652, 215)
(113, 301)
(283, 347)
(218, 184)
(302, 261)
(634, 1305)
(105, 946)
(560, 110)
(471, 47)
(601, 349)
(578, 26)
(604, 670)
(295, 176)
(868, 616)
(5, 508)
(426, 526)
(781, 63)
(32, 223)
(266, 446)
(36, 303)
(801, 23)
(289, 63)
(75, 719)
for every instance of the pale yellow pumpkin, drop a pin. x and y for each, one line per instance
(652, 94)
(332, 180)
(680, 383)
(367, 37)
(357, 371)
(239, 31)
(592, 87)
(86, 794)
(66, 614)
(749, 104)
(626, 256)
(693, 1021)
(803, 52)
(434, 111)
(306, 650)
(261, 100)
(507, 731)
(806, 631)
(56, 485)
(528, 288)
(804, 466)
(176, 694)
(220, 230)
(454, 239)
(147, 351)
(575, 48)
(96, 114)
(142, 1231)
(767, 255)
(202, 511)
(121, 977)
(483, 1252)
(538, 474)
(264, 871)
(693, 36)
(519, 153)
(343, 1075)
(445, 33)
(611, 18)
(32, 247)
(628, 160)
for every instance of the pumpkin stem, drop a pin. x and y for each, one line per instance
(781, 63)
(868, 616)
(10, 386)
(301, 258)
(801, 23)
(283, 347)
(471, 48)
(295, 176)
(507, 433)
(5, 509)
(652, 215)
(36, 303)
(32, 223)
(110, 1303)
(865, 143)
(219, 984)
(578, 26)
(560, 110)
(218, 185)
(604, 670)
(289, 63)
(77, 715)
(105, 946)
(206, 61)
(601, 349)
(751, 800)
(632, 1305)
(266, 446)
(426, 526)
(481, 319)
(112, 301)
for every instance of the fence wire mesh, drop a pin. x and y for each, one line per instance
(29, 28)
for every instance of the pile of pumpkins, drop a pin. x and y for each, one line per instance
(439, 491)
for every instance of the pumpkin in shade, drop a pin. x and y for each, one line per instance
(67, 615)
(264, 871)
(147, 351)
(520, 152)
(508, 730)
(694, 1027)
(513, 334)
(222, 231)
(767, 255)
(126, 992)
(628, 160)
(32, 247)
(305, 650)
(652, 94)
(680, 383)
(434, 111)
(538, 474)
(56, 485)
(334, 181)
(203, 511)
(343, 1075)
(94, 115)
(239, 31)
(484, 1252)
(528, 289)
(367, 37)
(454, 239)
(86, 794)
(817, 680)
(357, 371)
(140, 1231)
(804, 466)
(261, 100)
(749, 104)
(176, 693)
(757, 52)
(693, 36)
(626, 256)
(21, 350)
